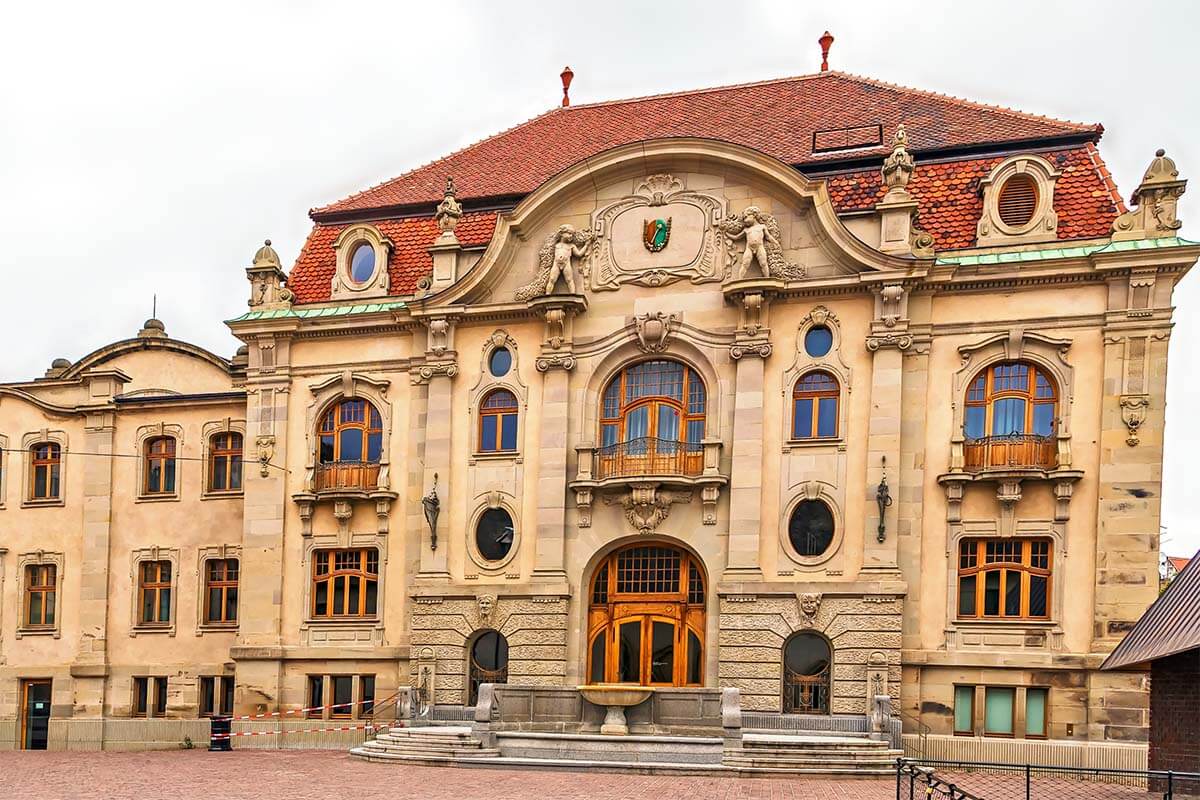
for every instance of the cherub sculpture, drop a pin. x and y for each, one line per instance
(761, 232)
(555, 260)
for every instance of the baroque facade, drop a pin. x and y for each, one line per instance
(820, 388)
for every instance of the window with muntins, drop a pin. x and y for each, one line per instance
(149, 696)
(45, 471)
(498, 422)
(225, 462)
(652, 421)
(41, 590)
(345, 583)
(1010, 417)
(815, 406)
(221, 591)
(160, 466)
(154, 593)
(350, 446)
(216, 695)
(1004, 579)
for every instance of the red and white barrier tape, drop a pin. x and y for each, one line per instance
(380, 727)
(264, 715)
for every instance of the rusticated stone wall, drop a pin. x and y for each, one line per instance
(443, 628)
(864, 631)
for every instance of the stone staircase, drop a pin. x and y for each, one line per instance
(432, 745)
(815, 753)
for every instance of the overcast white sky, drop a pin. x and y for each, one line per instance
(150, 147)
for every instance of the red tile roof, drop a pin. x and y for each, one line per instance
(778, 117)
(948, 195)
(1179, 563)
(312, 277)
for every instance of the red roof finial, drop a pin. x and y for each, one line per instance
(566, 76)
(826, 41)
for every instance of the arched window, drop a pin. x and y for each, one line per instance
(815, 406)
(652, 421)
(351, 442)
(806, 672)
(498, 422)
(489, 662)
(1009, 417)
(45, 471)
(160, 466)
(225, 462)
(646, 618)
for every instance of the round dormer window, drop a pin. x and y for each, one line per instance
(362, 263)
(1018, 200)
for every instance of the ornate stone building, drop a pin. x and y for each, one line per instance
(820, 387)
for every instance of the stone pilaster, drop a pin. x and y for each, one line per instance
(745, 480)
(552, 476)
(438, 414)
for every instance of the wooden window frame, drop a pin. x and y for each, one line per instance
(500, 413)
(362, 473)
(164, 457)
(991, 395)
(46, 594)
(51, 462)
(624, 407)
(221, 446)
(156, 697)
(1013, 713)
(222, 584)
(1045, 734)
(362, 572)
(157, 586)
(1024, 569)
(954, 709)
(315, 710)
(220, 689)
(341, 710)
(816, 396)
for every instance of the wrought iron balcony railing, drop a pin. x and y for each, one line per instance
(649, 456)
(334, 475)
(1014, 451)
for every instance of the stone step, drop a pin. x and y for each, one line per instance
(809, 760)
(804, 739)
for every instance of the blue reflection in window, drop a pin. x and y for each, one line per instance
(1008, 416)
(974, 422)
(802, 428)
(827, 417)
(362, 263)
(500, 362)
(508, 432)
(818, 341)
(1043, 419)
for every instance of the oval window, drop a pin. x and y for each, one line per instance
(811, 528)
(818, 341)
(494, 534)
(1018, 200)
(500, 362)
(362, 263)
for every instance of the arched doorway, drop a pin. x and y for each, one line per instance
(646, 617)
(807, 665)
(487, 662)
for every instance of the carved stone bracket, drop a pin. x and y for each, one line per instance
(646, 505)
(654, 330)
(343, 510)
(708, 499)
(583, 504)
(565, 361)
(760, 349)
(1133, 413)
(426, 372)
(266, 451)
(900, 341)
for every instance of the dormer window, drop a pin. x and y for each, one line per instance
(362, 263)
(362, 259)
(1018, 202)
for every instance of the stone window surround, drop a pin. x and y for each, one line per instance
(486, 384)
(210, 430)
(327, 693)
(979, 705)
(144, 434)
(1042, 226)
(343, 286)
(203, 556)
(154, 553)
(27, 443)
(813, 490)
(31, 559)
(484, 502)
(1024, 529)
(6, 460)
(3, 553)
(343, 541)
(803, 364)
(347, 386)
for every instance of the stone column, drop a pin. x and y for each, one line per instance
(745, 480)
(434, 563)
(552, 474)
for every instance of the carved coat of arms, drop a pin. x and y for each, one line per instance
(656, 233)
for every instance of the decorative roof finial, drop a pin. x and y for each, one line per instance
(826, 41)
(1157, 201)
(266, 256)
(898, 166)
(448, 211)
(566, 76)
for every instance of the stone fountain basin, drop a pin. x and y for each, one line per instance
(613, 694)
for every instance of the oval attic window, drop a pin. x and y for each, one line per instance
(1018, 201)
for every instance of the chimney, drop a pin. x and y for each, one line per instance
(566, 76)
(826, 41)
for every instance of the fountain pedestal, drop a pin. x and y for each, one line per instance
(615, 698)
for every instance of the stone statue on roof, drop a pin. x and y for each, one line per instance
(449, 211)
(556, 259)
(764, 246)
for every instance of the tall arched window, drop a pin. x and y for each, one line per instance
(488, 662)
(646, 618)
(45, 471)
(351, 443)
(1009, 417)
(498, 422)
(815, 406)
(806, 674)
(652, 421)
(160, 466)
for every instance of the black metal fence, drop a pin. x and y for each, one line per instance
(977, 780)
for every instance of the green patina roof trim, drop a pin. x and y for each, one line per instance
(1051, 253)
(329, 311)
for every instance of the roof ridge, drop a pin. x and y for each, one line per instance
(1082, 126)
(427, 164)
(703, 90)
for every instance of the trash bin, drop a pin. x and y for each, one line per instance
(219, 738)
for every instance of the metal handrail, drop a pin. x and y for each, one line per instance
(648, 455)
(923, 731)
(346, 475)
(1010, 451)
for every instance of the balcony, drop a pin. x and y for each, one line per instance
(357, 476)
(1012, 453)
(649, 456)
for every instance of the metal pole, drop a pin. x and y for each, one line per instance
(899, 766)
(1027, 782)
(1170, 786)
